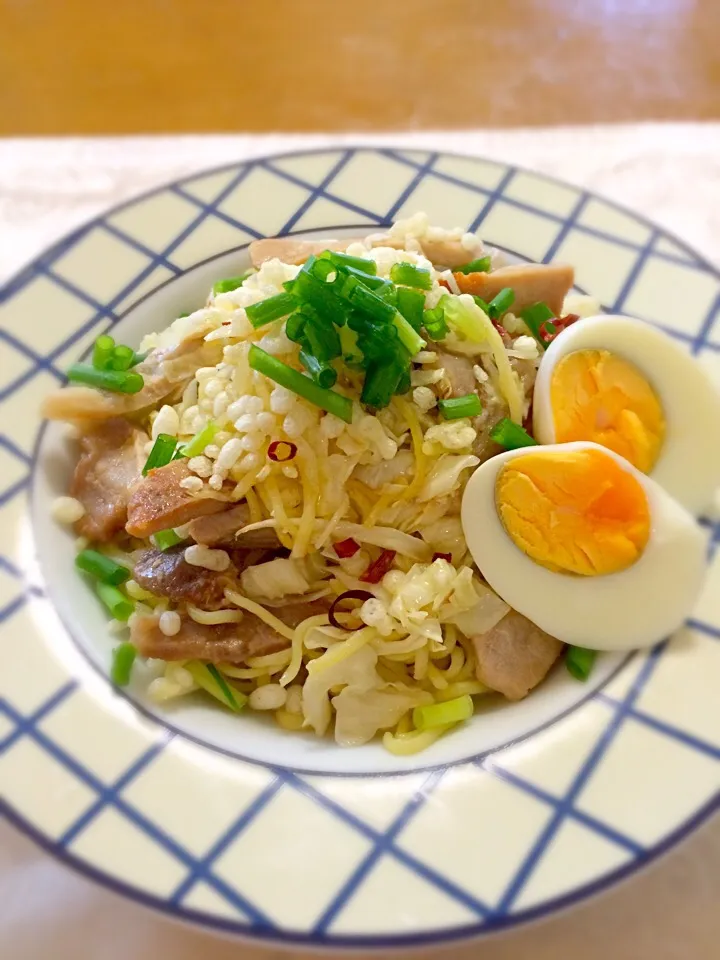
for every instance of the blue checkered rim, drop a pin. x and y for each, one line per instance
(382, 843)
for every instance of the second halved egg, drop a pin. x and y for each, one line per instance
(623, 384)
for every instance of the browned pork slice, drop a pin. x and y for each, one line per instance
(167, 574)
(515, 656)
(531, 282)
(446, 252)
(219, 643)
(459, 379)
(165, 372)
(159, 502)
(111, 458)
(291, 249)
(220, 529)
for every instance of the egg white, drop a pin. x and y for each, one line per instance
(689, 463)
(635, 607)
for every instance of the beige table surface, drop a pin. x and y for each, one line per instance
(671, 173)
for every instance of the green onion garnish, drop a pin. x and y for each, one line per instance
(435, 323)
(164, 539)
(482, 265)
(122, 358)
(321, 372)
(116, 602)
(410, 304)
(535, 317)
(370, 281)
(350, 351)
(440, 714)
(410, 276)
(271, 309)
(102, 352)
(322, 337)
(101, 567)
(114, 381)
(485, 307)
(294, 326)
(161, 453)
(321, 296)
(232, 283)
(139, 357)
(123, 658)
(281, 373)
(501, 303)
(381, 382)
(372, 305)
(323, 270)
(355, 263)
(208, 677)
(195, 446)
(511, 435)
(579, 662)
(409, 337)
(457, 407)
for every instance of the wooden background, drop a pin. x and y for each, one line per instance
(123, 66)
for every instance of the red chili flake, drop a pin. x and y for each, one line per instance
(378, 568)
(564, 322)
(547, 335)
(346, 548)
(442, 556)
(500, 329)
(281, 451)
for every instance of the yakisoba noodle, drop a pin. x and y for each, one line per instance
(346, 584)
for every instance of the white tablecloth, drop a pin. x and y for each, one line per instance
(668, 172)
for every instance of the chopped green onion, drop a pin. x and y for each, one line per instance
(289, 285)
(482, 265)
(321, 296)
(321, 371)
(409, 337)
(434, 321)
(410, 304)
(139, 357)
(294, 326)
(457, 407)
(122, 358)
(410, 276)
(123, 658)
(231, 283)
(322, 338)
(534, 317)
(208, 677)
(485, 307)
(281, 373)
(404, 383)
(116, 602)
(372, 282)
(195, 446)
(115, 381)
(440, 714)
(354, 263)
(511, 435)
(381, 382)
(323, 270)
(161, 453)
(271, 309)
(165, 539)
(372, 305)
(102, 352)
(350, 351)
(501, 303)
(579, 662)
(101, 567)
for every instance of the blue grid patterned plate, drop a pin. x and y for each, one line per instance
(268, 849)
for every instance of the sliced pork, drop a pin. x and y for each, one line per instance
(220, 530)
(515, 656)
(531, 283)
(167, 574)
(111, 458)
(219, 643)
(159, 502)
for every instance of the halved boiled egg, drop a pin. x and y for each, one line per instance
(623, 384)
(582, 543)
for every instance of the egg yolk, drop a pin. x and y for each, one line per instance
(573, 512)
(596, 395)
